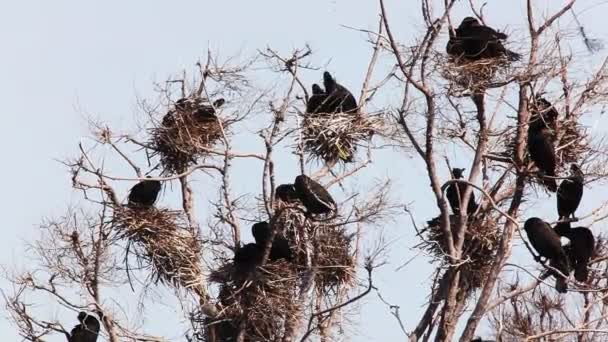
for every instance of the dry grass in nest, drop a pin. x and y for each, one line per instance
(161, 242)
(262, 303)
(335, 137)
(465, 74)
(181, 143)
(571, 143)
(332, 259)
(329, 246)
(480, 245)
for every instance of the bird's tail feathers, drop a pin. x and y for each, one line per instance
(513, 56)
(581, 272)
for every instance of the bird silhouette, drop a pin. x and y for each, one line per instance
(548, 245)
(314, 196)
(455, 191)
(279, 249)
(475, 41)
(144, 193)
(542, 153)
(579, 250)
(87, 330)
(570, 193)
(339, 99)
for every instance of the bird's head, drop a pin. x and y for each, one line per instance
(457, 172)
(328, 82)
(469, 22)
(316, 89)
(261, 232)
(218, 103)
(81, 316)
(576, 170)
(531, 222)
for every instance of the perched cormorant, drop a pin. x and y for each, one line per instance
(547, 243)
(144, 193)
(570, 193)
(579, 250)
(542, 152)
(206, 112)
(317, 103)
(542, 114)
(339, 99)
(280, 246)
(475, 41)
(286, 193)
(247, 257)
(87, 330)
(456, 190)
(314, 196)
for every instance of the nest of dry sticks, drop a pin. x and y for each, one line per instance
(480, 245)
(262, 303)
(182, 137)
(322, 245)
(569, 139)
(334, 137)
(465, 74)
(161, 242)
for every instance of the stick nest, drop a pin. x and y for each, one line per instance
(262, 303)
(329, 246)
(333, 137)
(570, 142)
(181, 139)
(162, 243)
(479, 248)
(465, 74)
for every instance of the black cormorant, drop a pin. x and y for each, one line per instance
(286, 193)
(280, 246)
(542, 152)
(206, 112)
(455, 191)
(542, 114)
(547, 243)
(475, 41)
(247, 257)
(87, 330)
(144, 193)
(339, 99)
(570, 193)
(317, 102)
(314, 196)
(580, 250)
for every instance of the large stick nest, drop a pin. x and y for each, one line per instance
(161, 242)
(333, 137)
(261, 303)
(465, 74)
(328, 244)
(569, 140)
(182, 137)
(479, 248)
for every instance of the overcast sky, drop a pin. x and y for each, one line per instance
(65, 58)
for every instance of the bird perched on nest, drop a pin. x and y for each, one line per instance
(144, 193)
(207, 112)
(456, 190)
(200, 112)
(279, 249)
(475, 41)
(547, 243)
(247, 257)
(317, 103)
(542, 113)
(579, 250)
(570, 193)
(314, 196)
(542, 152)
(286, 193)
(87, 330)
(339, 99)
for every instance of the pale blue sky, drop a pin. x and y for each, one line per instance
(64, 58)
